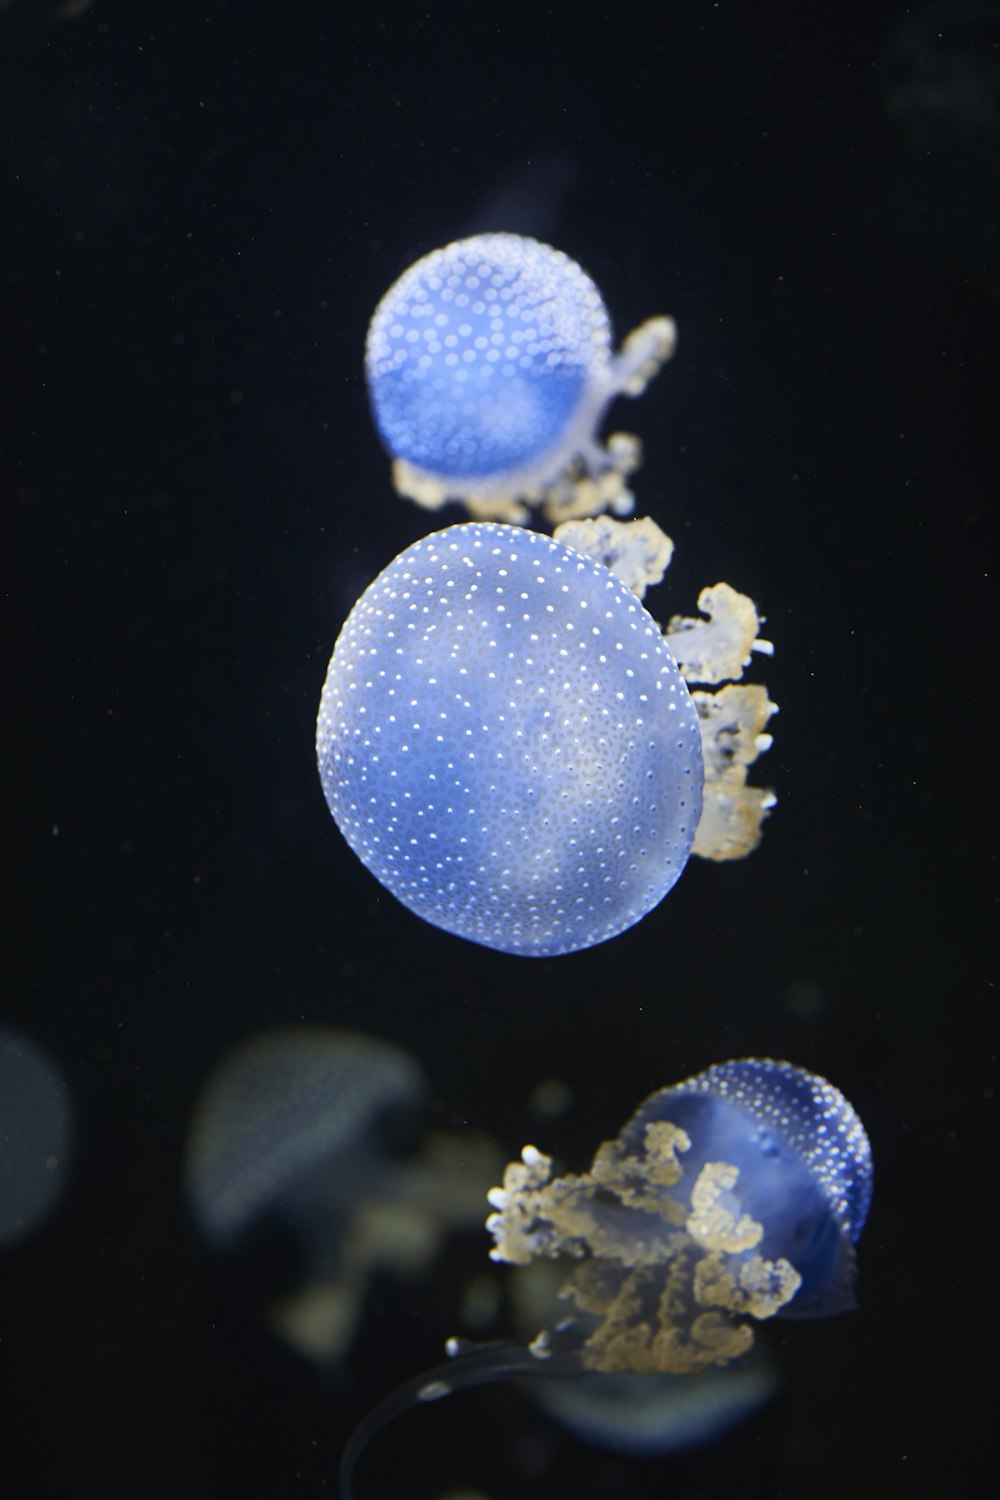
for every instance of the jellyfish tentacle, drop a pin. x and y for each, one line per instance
(553, 1354)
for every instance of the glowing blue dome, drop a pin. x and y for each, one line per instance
(489, 367)
(505, 741)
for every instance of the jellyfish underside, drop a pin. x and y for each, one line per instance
(725, 1200)
(666, 1270)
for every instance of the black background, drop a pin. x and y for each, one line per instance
(201, 207)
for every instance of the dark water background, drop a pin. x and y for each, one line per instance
(201, 206)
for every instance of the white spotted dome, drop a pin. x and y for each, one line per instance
(480, 356)
(505, 741)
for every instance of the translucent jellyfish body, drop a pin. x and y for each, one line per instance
(301, 1125)
(506, 742)
(728, 1199)
(733, 1197)
(489, 368)
(36, 1130)
(284, 1108)
(645, 1415)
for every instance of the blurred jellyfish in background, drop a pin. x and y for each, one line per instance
(507, 741)
(940, 75)
(645, 1416)
(317, 1128)
(36, 1131)
(490, 368)
(726, 1200)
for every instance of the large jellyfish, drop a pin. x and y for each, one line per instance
(489, 368)
(506, 740)
(726, 1200)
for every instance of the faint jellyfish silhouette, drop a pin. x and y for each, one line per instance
(307, 1125)
(489, 368)
(728, 1199)
(640, 1416)
(507, 742)
(530, 196)
(35, 1135)
(941, 96)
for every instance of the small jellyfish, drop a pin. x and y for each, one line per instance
(731, 1198)
(506, 742)
(489, 368)
(300, 1124)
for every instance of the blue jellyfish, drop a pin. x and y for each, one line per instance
(506, 742)
(489, 368)
(731, 1198)
(750, 1182)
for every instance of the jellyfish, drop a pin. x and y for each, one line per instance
(726, 1200)
(319, 1129)
(36, 1130)
(643, 1416)
(507, 741)
(489, 368)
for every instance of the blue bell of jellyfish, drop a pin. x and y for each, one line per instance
(489, 366)
(728, 1199)
(799, 1161)
(506, 742)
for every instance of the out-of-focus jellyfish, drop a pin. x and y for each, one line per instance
(304, 1124)
(507, 742)
(35, 1135)
(490, 367)
(731, 1198)
(640, 1416)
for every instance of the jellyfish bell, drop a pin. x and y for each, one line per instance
(726, 1200)
(506, 742)
(507, 739)
(489, 367)
(796, 1162)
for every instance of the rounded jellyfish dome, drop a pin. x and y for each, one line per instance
(506, 742)
(489, 367)
(478, 356)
